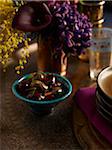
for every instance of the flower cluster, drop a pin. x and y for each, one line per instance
(9, 37)
(72, 28)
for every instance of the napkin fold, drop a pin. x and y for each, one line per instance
(85, 98)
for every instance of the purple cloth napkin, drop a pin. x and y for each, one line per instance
(85, 98)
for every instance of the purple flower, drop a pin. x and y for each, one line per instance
(70, 30)
(31, 17)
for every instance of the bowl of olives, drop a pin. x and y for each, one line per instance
(42, 91)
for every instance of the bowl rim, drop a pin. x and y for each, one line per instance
(109, 68)
(43, 101)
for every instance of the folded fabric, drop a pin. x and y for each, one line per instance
(85, 98)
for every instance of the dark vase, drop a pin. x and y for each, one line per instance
(48, 60)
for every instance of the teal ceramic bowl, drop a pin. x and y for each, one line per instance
(43, 107)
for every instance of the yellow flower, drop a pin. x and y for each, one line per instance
(9, 37)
